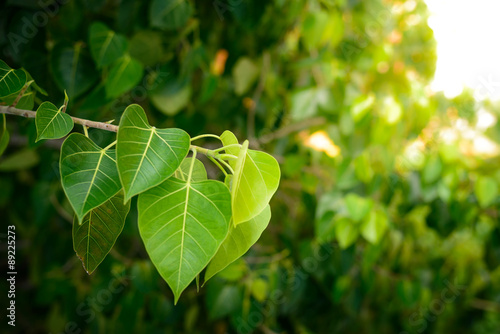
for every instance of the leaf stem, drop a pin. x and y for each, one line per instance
(192, 165)
(226, 147)
(204, 136)
(227, 165)
(217, 164)
(110, 145)
(226, 157)
(31, 114)
(86, 131)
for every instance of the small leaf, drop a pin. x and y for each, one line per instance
(357, 207)
(51, 122)
(72, 69)
(147, 156)
(346, 232)
(27, 100)
(199, 172)
(96, 235)
(245, 72)
(238, 242)
(183, 225)
(486, 190)
(170, 14)
(171, 97)
(123, 76)
(105, 45)
(88, 174)
(4, 134)
(256, 179)
(374, 227)
(11, 81)
(260, 290)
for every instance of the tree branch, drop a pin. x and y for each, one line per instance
(84, 122)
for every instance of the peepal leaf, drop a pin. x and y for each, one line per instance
(105, 45)
(94, 238)
(88, 174)
(256, 179)
(183, 225)
(238, 242)
(228, 138)
(199, 172)
(51, 122)
(72, 69)
(147, 156)
(11, 81)
(123, 76)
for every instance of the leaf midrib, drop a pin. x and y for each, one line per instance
(148, 144)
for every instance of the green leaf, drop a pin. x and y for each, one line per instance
(199, 172)
(105, 45)
(346, 232)
(11, 81)
(72, 69)
(357, 207)
(486, 190)
(183, 225)
(374, 227)
(146, 46)
(305, 103)
(256, 179)
(238, 242)
(20, 160)
(260, 290)
(27, 100)
(172, 97)
(147, 156)
(123, 76)
(4, 134)
(169, 14)
(245, 72)
(228, 138)
(88, 174)
(51, 122)
(96, 235)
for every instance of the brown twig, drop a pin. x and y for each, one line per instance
(286, 130)
(84, 122)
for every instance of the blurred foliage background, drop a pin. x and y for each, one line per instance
(387, 216)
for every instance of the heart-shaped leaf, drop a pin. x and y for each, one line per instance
(11, 81)
(105, 45)
(256, 179)
(123, 76)
(147, 156)
(72, 68)
(183, 225)
(238, 242)
(51, 122)
(199, 172)
(228, 138)
(94, 238)
(88, 174)
(170, 14)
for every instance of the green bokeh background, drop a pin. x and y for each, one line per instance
(394, 231)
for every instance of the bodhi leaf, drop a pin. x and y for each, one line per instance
(123, 76)
(94, 238)
(26, 101)
(147, 156)
(11, 81)
(199, 172)
(4, 134)
(72, 69)
(105, 45)
(183, 225)
(88, 174)
(256, 179)
(52, 123)
(170, 14)
(238, 242)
